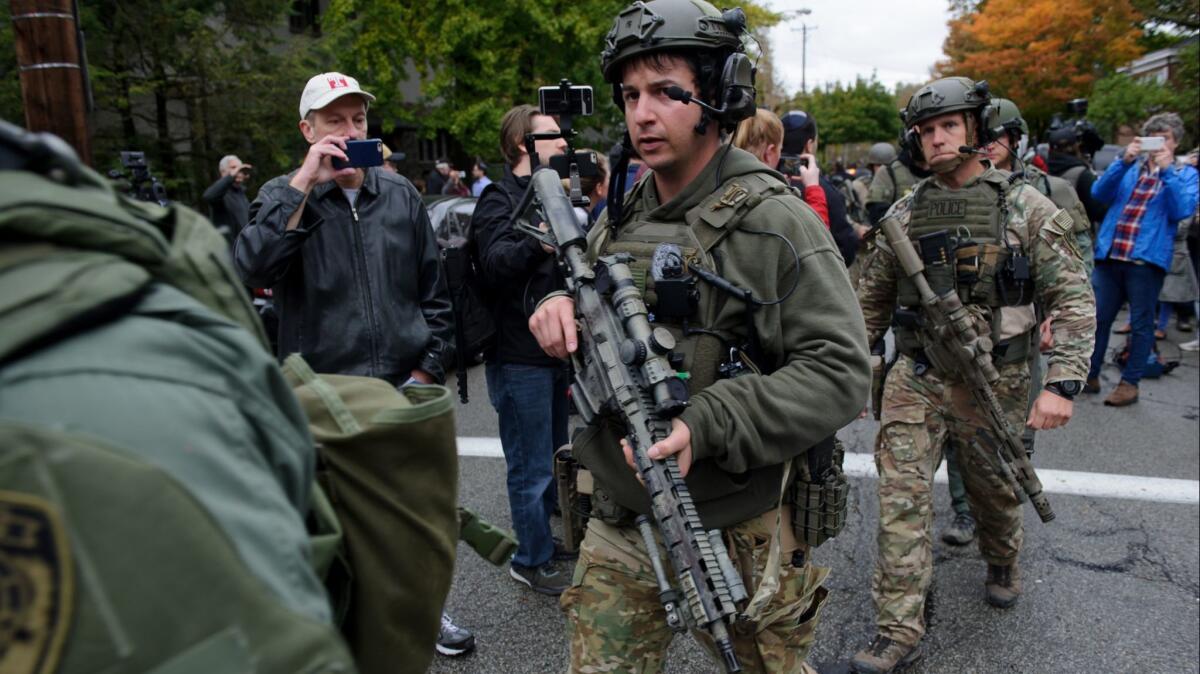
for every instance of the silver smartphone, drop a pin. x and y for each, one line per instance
(1152, 143)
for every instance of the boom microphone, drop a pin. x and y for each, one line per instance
(678, 94)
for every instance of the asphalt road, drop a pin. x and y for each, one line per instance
(1111, 585)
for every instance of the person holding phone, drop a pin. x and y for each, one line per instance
(228, 207)
(1146, 195)
(349, 252)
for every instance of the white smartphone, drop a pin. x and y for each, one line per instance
(1152, 143)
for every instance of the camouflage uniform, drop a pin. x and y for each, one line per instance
(618, 620)
(920, 411)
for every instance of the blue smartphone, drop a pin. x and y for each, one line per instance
(361, 154)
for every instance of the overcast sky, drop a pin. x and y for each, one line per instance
(899, 41)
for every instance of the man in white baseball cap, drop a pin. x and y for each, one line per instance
(349, 251)
(353, 262)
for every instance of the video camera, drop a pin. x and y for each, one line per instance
(140, 183)
(1075, 128)
(566, 101)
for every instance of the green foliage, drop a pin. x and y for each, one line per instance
(188, 81)
(858, 113)
(474, 60)
(1119, 99)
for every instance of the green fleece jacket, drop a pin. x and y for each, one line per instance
(813, 341)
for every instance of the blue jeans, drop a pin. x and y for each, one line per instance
(1115, 283)
(531, 402)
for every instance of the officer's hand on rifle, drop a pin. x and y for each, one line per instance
(1050, 410)
(553, 326)
(679, 443)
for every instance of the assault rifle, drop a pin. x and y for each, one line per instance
(621, 367)
(954, 346)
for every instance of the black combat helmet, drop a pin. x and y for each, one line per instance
(645, 27)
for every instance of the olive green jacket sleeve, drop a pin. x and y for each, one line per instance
(813, 340)
(1061, 283)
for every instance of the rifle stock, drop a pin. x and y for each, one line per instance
(954, 346)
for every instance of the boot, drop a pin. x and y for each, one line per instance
(961, 531)
(1124, 394)
(1003, 585)
(883, 655)
(1092, 385)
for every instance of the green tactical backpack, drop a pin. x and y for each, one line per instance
(83, 517)
(389, 466)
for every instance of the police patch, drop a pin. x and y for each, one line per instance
(948, 208)
(36, 584)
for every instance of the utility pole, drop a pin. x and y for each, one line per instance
(47, 42)
(804, 31)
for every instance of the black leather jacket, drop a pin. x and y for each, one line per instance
(359, 289)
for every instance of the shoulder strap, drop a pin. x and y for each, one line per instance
(722, 211)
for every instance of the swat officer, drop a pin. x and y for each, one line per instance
(1013, 248)
(1012, 133)
(713, 202)
(1004, 153)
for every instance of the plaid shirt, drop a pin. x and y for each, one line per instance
(1130, 222)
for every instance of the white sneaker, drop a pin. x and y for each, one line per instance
(1193, 345)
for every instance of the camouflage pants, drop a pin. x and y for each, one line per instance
(616, 619)
(918, 414)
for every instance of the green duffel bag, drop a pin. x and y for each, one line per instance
(388, 463)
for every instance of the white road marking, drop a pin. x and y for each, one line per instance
(1071, 482)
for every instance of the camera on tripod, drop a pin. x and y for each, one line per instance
(139, 184)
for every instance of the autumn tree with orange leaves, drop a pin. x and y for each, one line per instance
(1042, 53)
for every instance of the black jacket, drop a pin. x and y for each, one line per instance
(1060, 163)
(359, 290)
(516, 268)
(228, 207)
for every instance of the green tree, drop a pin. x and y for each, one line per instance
(859, 113)
(188, 81)
(476, 59)
(1119, 99)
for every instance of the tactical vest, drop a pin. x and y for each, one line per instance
(703, 227)
(817, 489)
(976, 217)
